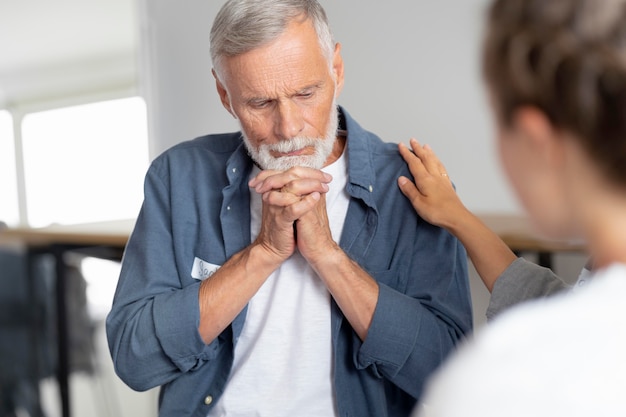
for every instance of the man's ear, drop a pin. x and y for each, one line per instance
(338, 69)
(534, 126)
(223, 93)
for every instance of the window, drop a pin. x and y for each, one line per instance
(9, 212)
(85, 163)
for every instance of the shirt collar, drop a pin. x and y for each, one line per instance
(359, 153)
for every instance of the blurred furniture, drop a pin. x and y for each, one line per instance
(102, 240)
(26, 341)
(519, 234)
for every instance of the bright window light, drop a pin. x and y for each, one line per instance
(9, 212)
(100, 275)
(85, 163)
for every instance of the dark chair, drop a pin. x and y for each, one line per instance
(28, 346)
(26, 340)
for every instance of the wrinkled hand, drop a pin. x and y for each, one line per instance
(287, 197)
(432, 195)
(314, 238)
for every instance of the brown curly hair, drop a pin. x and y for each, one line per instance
(567, 58)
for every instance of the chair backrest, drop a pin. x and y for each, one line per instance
(27, 347)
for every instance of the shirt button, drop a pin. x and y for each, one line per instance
(208, 400)
(228, 208)
(234, 170)
(371, 189)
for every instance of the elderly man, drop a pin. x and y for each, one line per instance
(279, 271)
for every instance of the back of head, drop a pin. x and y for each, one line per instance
(567, 58)
(243, 25)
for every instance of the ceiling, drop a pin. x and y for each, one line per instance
(36, 36)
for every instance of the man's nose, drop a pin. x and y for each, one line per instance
(289, 120)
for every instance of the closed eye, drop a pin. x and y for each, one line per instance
(260, 103)
(305, 94)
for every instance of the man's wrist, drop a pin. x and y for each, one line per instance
(330, 258)
(261, 255)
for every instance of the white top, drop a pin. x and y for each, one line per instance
(561, 356)
(283, 358)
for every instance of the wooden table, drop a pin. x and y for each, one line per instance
(519, 234)
(110, 233)
(108, 239)
(103, 240)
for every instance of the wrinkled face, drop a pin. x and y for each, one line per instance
(313, 152)
(284, 97)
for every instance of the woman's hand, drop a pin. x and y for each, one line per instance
(432, 194)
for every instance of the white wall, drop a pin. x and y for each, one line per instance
(66, 51)
(412, 69)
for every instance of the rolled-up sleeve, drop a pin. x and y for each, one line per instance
(414, 329)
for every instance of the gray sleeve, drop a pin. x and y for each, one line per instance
(521, 281)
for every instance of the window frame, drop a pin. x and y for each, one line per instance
(19, 110)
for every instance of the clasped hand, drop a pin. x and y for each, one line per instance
(294, 212)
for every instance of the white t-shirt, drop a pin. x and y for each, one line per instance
(561, 356)
(283, 357)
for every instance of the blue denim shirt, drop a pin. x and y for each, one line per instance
(197, 204)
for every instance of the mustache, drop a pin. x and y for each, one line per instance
(292, 145)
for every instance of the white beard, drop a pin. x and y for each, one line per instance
(323, 148)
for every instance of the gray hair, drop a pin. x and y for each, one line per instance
(244, 25)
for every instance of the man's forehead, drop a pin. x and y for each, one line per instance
(288, 73)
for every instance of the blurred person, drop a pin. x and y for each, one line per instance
(556, 74)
